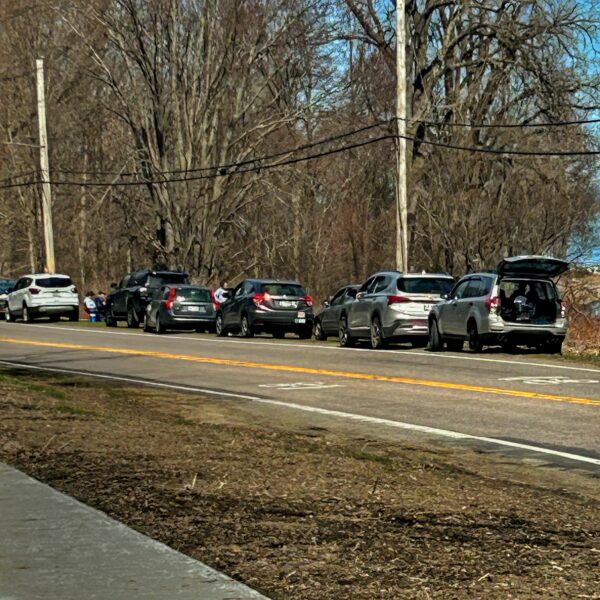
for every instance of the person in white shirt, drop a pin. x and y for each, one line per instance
(89, 304)
(221, 293)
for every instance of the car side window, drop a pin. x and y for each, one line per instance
(349, 296)
(380, 284)
(18, 285)
(474, 288)
(238, 291)
(123, 282)
(459, 290)
(366, 285)
(247, 288)
(337, 299)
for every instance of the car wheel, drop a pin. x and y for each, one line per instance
(319, 333)
(8, 315)
(220, 326)
(436, 344)
(132, 320)
(554, 347)
(305, 334)
(26, 316)
(159, 327)
(110, 318)
(377, 339)
(245, 329)
(346, 340)
(455, 345)
(146, 326)
(475, 343)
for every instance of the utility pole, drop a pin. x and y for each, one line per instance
(45, 169)
(401, 188)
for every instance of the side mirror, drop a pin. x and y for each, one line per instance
(326, 304)
(444, 296)
(113, 286)
(360, 295)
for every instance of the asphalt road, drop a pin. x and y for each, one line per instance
(539, 407)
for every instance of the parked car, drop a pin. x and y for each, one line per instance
(180, 307)
(6, 287)
(43, 295)
(516, 304)
(327, 320)
(266, 305)
(393, 306)
(128, 299)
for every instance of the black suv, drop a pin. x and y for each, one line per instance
(128, 299)
(268, 305)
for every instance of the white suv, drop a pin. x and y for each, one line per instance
(43, 295)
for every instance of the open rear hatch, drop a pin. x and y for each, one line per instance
(532, 267)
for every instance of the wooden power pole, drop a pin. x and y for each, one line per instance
(401, 113)
(45, 169)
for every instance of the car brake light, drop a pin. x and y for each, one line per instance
(398, 300)
(308, 300)
(492, 304)
(563, 310)
(258, 299)
(34, 290)
(169, 302)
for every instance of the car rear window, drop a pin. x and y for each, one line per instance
(156, 281)
(193, 295)
(425, 285)
(53, 282)
(282, 289)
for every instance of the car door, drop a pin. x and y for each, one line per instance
(158, 299)
(466, 304)
(450, 324)
(120, 297)
(362, 310)
(14, 302)
(356, 312)
(330, 317)
(231, 307)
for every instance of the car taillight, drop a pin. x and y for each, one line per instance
(258, 299)
(398, 300)
(492, 304)
(308, 300)
(169, 302)
(34, 290)
(563, 310)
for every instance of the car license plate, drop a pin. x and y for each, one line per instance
(301, 314)
(300, 320)
(196, 309)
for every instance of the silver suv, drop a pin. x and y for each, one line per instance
(393, 306)
(516, 304)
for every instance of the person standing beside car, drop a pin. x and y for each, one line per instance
(89, 305)
(221, 293)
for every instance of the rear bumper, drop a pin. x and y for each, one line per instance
(185, 321)
(281, 320)
(53, 309)
(407, 327)
(500, 327)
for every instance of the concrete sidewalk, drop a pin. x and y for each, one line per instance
(54, 547)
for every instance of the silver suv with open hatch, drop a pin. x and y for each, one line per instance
(518, 304)
(393, 307)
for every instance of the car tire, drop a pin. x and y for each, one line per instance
(319, 333)
(132, 320)
(436, 343)
(8, 315)
(25, 315)
(145, 326)
(159, 328)
(245, 327)
(109, 318)
(220, 326)
(554, 347)
(345, 339)
(455, 345)
(475, 343)
(376, 338)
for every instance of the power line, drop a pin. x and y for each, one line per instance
(19, 175)
(503, 125)
(256, 166)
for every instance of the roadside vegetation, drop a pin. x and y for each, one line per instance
(295, 507)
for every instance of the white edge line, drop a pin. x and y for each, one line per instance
(323, 411)
(434, 355)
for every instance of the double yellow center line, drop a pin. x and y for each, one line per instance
(447, 385)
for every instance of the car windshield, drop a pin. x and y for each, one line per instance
(193, 295)
(282, 289)
(425, 285)
(156, 281)
(54, 282)
(5, 285)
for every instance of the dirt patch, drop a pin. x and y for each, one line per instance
(301, 512)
